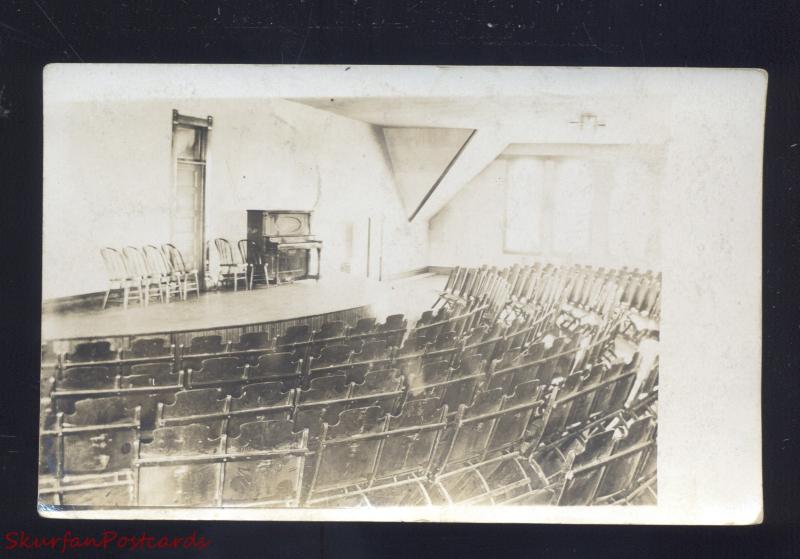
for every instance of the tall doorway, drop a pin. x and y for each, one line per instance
(189, 157)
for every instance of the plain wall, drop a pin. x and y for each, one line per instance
(108, 182)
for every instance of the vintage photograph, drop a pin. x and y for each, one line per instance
(254, 300)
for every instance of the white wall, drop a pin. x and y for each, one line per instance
(470, 229)
(108, 179)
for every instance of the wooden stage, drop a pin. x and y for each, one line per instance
(229, 313)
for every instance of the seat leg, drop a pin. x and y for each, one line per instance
(105, 299)
(266, 277)
(125, 293)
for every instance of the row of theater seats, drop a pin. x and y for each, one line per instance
(579, 294)
(478, 403)
(511, 393)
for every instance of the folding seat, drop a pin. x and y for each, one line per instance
(86, 378)
(363, 326)
(452, 287)
(416, 343)
(208, 344)
(205, 406)
(205, 345)
(251, 341)
(296, 340)
(382, 388)
(625, 460)
(622, 389)
(260, 402)
(282, 367)
(265, 465)
(462, 384)
(346, 457)
(515, 368)
(582, 404)
(179, 468)
(418, 380)
(373, 350)
(567, 351)
(91, 351)
(425, 318)
(328, 330)
(324, 399)
(411, 438)
(329, 333)
(581, 482)
(519, 410)
(356, 343)
(150, 374)
(602, 403)
(472, 429)
(322, 389)
(486, 348)
(251, 346)
(445, 339)
(329, 359)
(87, 456)
(476, 335)
(558, 409)
(393, 329)
(227, 372)
(511, 480)
(98, 437)
(547, 370)
(149, 347)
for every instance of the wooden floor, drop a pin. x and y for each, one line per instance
(227, 309)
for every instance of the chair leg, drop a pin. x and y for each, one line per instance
(252, 275)
(266, 277)
(105, 299)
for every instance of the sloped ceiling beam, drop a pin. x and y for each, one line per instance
(482, 148)
(419, 157)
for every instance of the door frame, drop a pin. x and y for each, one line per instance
(203, 126)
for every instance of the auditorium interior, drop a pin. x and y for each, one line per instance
(277, 302)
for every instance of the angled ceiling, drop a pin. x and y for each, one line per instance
(420, 157)
(425, 136)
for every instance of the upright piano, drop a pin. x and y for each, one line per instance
(283, 239)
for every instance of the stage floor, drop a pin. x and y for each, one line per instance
(228, 308)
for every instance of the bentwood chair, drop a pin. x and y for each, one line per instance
(137, 267)
(188, 278)
(169, 282)
(119, 278)
(257, 267)
(229, 268)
